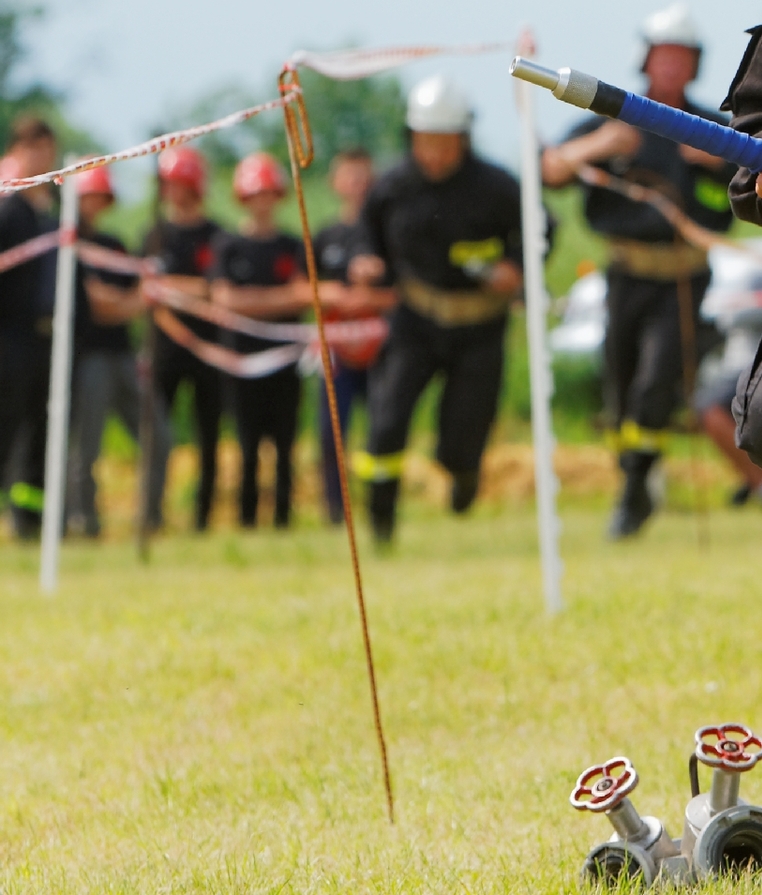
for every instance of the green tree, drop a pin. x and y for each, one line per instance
(35, 98)
(343, 114)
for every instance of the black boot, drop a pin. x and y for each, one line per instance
(635, 504)
(382, 506)
(464, 488)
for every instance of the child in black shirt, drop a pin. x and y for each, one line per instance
(258, 273)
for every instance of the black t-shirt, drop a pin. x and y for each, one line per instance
(45, 292)
(184, 251)
(438, 232)
(257, 262)
(334, 247)
(89, 335)
(699, 192)
(20, 297)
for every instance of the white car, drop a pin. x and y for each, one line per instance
(733, 302)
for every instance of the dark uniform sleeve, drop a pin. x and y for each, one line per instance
(513, 237)
(371, 224)
(744, 100)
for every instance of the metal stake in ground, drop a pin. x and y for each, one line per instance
(541, 375)
(59, 394)
(301, 154)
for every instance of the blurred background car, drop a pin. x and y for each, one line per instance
(733, 304)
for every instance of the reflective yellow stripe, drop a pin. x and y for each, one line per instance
(633, 437)
(27, 497)
(377, 469)
(488, 251)
(712, 195)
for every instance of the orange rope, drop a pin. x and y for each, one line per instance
(301, 153)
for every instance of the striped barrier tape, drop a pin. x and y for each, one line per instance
(101, 258)
(246, 366)
(347, 332)
(149, 147)
(343, 332)
(341, 65)
(33, 248)
(690, 231)
(350, 65)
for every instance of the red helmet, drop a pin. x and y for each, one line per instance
(181, 164)
(96, 180)
(257, 173)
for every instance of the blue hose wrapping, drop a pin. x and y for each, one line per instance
(724, 142)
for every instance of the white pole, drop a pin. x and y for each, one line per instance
(59, 396)
(541, 375)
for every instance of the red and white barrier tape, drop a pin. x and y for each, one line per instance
(343, 332)
(346, 332)
(157, 144)
(691, 232)
(247, 366)
(349, 65)
(114, 261)
(35, 247)
(91, 254)
(341, 65)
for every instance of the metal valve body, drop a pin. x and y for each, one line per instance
(638, 844)
(721, 832)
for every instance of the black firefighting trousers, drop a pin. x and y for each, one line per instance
(172, 366)
(470, 358)
(643, 348)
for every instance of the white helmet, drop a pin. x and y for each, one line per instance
(672, 25)
(437, 106)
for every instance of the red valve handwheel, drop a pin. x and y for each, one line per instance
(731, 753)
(603, 786)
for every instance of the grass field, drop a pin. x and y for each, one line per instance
(203, 724)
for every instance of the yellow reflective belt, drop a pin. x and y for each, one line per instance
(633, 437)
(27, 497)
(383, 468)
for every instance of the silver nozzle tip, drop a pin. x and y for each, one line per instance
(534, 73)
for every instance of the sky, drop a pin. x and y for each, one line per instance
(125, 65)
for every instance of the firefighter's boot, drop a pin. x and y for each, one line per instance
(635, 504)
(464, 488)
(382, 505)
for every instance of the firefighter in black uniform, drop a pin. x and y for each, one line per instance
(447, 226)
(183, 242)
(651, 270)
(744, 100)
(258, 273)
(27, 294)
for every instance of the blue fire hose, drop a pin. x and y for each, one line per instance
(587, 92)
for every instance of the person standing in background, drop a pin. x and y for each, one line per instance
(27, 298)
(105, 375)
(257, 273)
(182, 240)
(446, 227)
(652, 271)
(351, 177)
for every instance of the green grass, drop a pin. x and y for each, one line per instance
(202, 723)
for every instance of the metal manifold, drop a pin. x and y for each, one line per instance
(722, 834)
